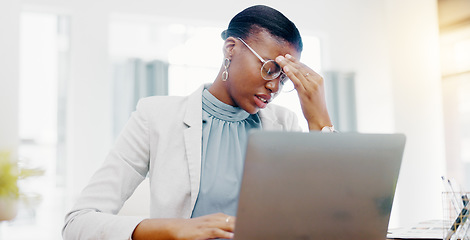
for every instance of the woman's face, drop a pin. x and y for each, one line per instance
(245, 87)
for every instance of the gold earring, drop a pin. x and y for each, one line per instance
(225, 72)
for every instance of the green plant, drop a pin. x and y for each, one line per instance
(10, 174)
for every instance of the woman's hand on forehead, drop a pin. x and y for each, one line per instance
(311, 91)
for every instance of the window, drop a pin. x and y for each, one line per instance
(455, 65)
(43, 67)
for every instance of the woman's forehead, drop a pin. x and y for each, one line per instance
(269, 46)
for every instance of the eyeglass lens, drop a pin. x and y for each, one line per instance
(270, 70)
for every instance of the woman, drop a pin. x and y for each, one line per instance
(192, 147)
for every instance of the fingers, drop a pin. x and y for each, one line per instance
(219, 225)
(291, 69)
(223, 226)
(228, 223)
(301, 75)
(219, 233)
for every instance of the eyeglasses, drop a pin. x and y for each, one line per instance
(270, 69)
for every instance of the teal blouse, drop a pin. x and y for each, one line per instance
(225, 132)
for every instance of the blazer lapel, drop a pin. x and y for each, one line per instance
(192, 140)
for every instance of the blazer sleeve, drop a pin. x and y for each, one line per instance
(125, 167)
(279, 118)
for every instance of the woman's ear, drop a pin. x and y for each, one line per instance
(228, 47)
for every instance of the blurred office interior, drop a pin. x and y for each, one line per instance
(72, 71)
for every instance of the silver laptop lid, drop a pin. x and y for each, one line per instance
(318, 186)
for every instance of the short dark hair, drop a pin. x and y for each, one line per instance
(251, 19)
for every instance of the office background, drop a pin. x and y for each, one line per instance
(71, 71)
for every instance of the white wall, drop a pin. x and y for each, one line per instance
(391, 45)
(416, 83)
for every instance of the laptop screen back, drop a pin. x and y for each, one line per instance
(318, 186)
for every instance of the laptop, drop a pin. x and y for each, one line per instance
(318, 186)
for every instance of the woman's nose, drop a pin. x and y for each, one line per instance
(273, 85)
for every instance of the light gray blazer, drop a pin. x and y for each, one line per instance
(162, 140)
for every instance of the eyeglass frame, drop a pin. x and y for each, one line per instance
(282, 79)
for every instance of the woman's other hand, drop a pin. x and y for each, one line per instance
(212, 226)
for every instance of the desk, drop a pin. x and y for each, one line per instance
(427, 230)
(412, 238)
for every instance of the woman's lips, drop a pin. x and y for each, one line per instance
(262, 100)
